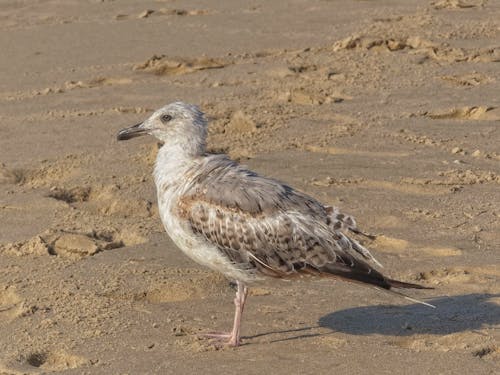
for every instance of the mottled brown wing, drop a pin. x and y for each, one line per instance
(281, 245)
(272, 244)
(262, 224)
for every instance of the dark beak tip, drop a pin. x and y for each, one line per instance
(128, 133)
(122, 136)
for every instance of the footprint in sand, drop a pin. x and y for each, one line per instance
(109, 200)
(71, 195)
(457, 4)
(162, 65)
(97, 82)
(415, 44)
(172, 12)
(163, 12)
(473, 79)
(381, 43)
(43, 361)
(73, 245)
(309, 97)
(466, 113)
(72, 85)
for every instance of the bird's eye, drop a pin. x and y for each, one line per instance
(165, 118)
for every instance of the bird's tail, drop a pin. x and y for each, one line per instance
(402, 285)
(361, 272)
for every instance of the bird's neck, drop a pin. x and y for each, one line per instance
(172, 162)
(183, 144)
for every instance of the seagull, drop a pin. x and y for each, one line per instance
(243, 225)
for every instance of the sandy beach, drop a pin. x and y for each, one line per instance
(389, 110)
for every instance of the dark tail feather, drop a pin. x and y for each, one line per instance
(401, 284)
(361, 272)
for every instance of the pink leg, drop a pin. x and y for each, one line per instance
(239, 303)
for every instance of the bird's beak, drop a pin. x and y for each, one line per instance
(131, 132)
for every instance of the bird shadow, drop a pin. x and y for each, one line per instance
(452, 314)
(305, 332)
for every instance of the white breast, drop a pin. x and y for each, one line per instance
(171, 183)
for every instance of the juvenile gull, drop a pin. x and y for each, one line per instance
(243, 225)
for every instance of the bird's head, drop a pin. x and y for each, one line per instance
(176, 123)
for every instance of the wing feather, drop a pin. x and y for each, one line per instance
(262, 224)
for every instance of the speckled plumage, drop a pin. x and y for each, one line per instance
(243, 225)
(261, 224)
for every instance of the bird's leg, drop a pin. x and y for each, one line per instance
(239, 303)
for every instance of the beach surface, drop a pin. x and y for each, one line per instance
(389, 110)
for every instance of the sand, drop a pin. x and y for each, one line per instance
(388, 109)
